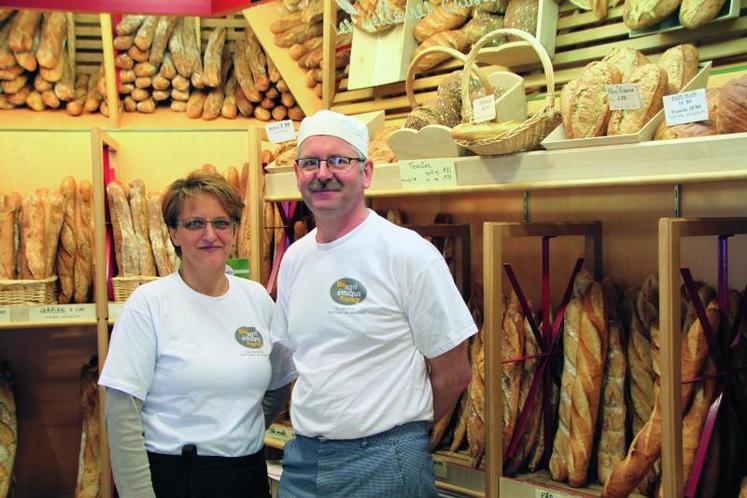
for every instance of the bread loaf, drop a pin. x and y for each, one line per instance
(213, 51)
(146, 32)
(8, 429)
(8, 239)
(523, 15)
(695, 13)
(440, 20)
(67, 251)
(285, 22)
(23, 29)
(652, 81)
(159, 235)
(589, 111)
(664, 132)
(84, 263)
(481, 24)
(53, 206)
(625, 59)
(257, 61)
(7, 57)
(139, 209)
(89, 458)
(164, 30)
(53, 33)
(566, 94)
(129, 24)
(612, 441)
(455, 39)
(512, 346)
(644, 312)
(639, 14)
(732, 106)
(586, 388)
(125, 242)
(681, 65)
(476, 407)
(243, 73)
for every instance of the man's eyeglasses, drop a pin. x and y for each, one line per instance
(197, 224)
(334, 163)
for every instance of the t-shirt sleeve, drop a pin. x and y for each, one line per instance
(283, 368)
(280, 317)
(439, 318)
(131, 360)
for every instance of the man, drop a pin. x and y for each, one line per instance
(377, 327)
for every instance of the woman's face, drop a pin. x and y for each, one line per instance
(205, 233)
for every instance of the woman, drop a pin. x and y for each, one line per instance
(190, 361)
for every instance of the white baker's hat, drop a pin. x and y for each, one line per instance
(337, 125)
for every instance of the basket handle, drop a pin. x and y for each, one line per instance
(487, 38)
(409, 80)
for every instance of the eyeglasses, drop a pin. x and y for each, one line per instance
(334, 163)
(197, 224)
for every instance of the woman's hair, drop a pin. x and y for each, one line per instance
(200, 182)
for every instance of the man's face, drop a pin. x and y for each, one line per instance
(332, 191)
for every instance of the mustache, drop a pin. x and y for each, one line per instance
(331, 184)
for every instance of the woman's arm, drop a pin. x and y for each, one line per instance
(127, 445)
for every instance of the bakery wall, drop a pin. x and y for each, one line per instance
(629, 217)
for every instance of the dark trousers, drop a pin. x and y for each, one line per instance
(193, 476)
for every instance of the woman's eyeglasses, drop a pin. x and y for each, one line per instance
(334, 163)
(196, 224)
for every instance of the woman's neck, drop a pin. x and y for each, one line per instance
(210, 283)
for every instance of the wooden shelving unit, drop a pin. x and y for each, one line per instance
(47, 316)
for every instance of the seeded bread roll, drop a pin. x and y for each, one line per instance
(522, 14)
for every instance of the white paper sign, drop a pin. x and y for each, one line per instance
(54, 312)
(546, 493)
(440, 469)
(427, 173)
(4, 315)
(280, 432)
(624, 96)
(686, 107)
(282, 131)
(483, 108)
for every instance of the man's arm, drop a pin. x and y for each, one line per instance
(274, 402)
(450, 375)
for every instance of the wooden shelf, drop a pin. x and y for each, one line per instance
(260, 18)
(540, 484)
(714, 158)
(455, 473)
(47, 316)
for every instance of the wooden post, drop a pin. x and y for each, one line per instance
(328, 61)
(101, 143)
(112, 95)
(255, 197)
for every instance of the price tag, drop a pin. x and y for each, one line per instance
(624, 96)
(427, 173)
(686, 107)
(483, 108)
(280, 432)
(115, 309)
(4, 314)
(440, 469)
(546, 493)
(282, 131)
(55, 312)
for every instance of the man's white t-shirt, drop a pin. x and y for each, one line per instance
(361, 314)
(201, 365)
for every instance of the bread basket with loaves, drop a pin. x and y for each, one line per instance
(506, 137)
(19, 292)
(427, 129)
(124, 286)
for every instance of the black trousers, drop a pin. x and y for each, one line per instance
(193, 476)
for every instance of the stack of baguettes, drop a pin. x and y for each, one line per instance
(89, 458)
(48, 233)
(36, 68)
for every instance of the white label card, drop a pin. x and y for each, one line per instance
(483, 109)
(282, 131)
(427, 173)
(686, 107)
(624, 96)
(54, 312)
(4, 315)
(280, 432)
(440, 469)
(546, 493)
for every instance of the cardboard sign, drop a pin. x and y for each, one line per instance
(427, 173)
(56, 312)
(440, 468)
(4, 314)
(282, 131)
(483, 109)
(624, 96)
(686, 107)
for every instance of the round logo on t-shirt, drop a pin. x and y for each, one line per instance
(347, 291)
(249, 337)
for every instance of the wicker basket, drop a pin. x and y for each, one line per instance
(15, 292)
(124, 286)
(529, 134)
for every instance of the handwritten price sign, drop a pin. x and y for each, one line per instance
(282, 131)
(624, 96)
(686, 107)
(440, 469)
(427, 173)
(280, 433)
(545, 493)
(56, 312)
(4, 315)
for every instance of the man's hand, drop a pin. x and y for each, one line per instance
(450, 375)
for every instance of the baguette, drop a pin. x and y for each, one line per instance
(475, 420)
(243, 73)
(53, 33)
(195, 104)
(67, 251)
(213, 59)
(512, 344)
(23, 29)
(129, 24)
(84, 263)
(455, 39)
(7, 57)
(440, 20)
(8, 429)
(123, 42)
(125, 242)
(8, 238)
(164, 29)
(159, 235)
(53, 74)
(590, 360)
(139, 210)
(639, 352)
(89, 458)
(146, 32)
(53, 206)
(257, 61)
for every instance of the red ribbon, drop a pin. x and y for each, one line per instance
(546, 342)
(723, 360)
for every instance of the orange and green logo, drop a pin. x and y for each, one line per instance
(249, 337)
(347, 291)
